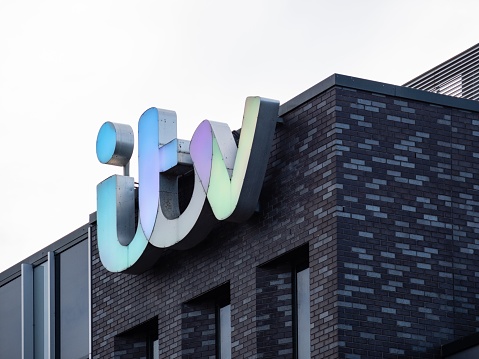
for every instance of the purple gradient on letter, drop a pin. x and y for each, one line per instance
(201, 151)
(149, 169)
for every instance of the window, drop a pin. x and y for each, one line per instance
(153, 345)
(72, 302)
(36, 300)
(206, 325)
(155, 350)
(11, 320)
(223, 330)
(139, 342)
(302, 313)
(45, 312)
(283, 306)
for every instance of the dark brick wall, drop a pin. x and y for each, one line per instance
(198, 330)
(407, 226)
(274, 309)
(130, 347)
(381, 191)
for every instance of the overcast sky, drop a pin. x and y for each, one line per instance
(66, 67)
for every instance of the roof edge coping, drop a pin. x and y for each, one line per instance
(357, 83)
(39, 257)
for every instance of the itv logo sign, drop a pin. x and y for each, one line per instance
(227, 182)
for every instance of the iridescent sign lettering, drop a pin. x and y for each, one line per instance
(227, 182)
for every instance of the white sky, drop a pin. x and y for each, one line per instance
(68, 66)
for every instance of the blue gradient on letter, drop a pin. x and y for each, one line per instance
(106, 142)
(114, 256)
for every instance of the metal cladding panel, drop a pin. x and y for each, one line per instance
(458, 77)
(27, 311)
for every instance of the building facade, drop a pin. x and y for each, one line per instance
(370, 186)
(363, 246)
(45, 302)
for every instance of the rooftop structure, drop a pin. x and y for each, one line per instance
(458, 76)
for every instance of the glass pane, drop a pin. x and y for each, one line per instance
(11, 320)
(40, 310)
(73, 331)
(225, 332)
(303, 310)
(156, 349)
